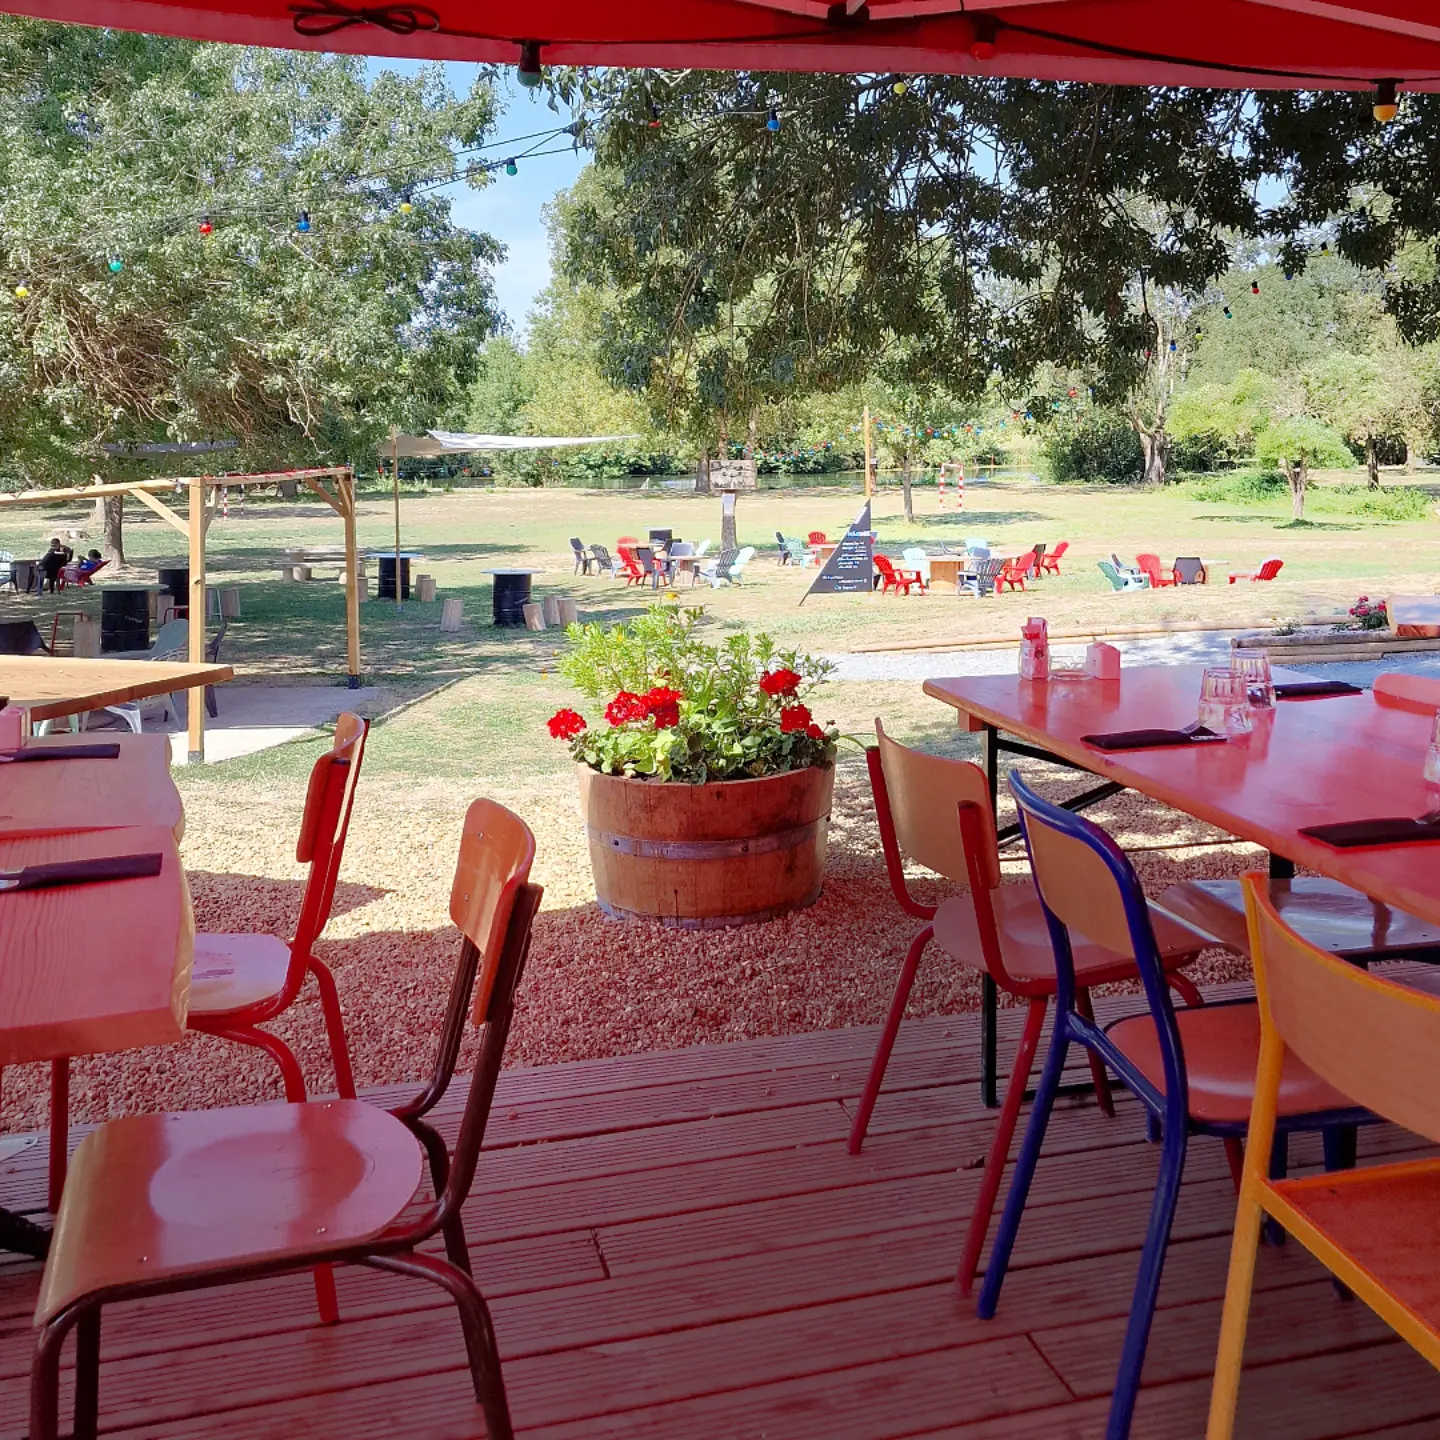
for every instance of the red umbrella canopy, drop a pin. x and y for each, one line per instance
(1262, 44)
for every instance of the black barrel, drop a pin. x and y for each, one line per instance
(124, 618)
(387, 577)
(512, 594)
(661, 537)
(175, 579)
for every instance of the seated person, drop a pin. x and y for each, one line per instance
(52, 562)
(93, 561)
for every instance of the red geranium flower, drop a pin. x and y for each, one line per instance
(795, 717)
(780, 682)
(566, 724)
(663, 706)
(624, 707)
(814, 732)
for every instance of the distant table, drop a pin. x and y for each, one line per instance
(386, 564)
(135, 788)
(512, 594)
(825, 551)
(947, 570)
(49, 688)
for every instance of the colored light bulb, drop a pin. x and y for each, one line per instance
(116, 264)
(21, 291)
(773, 123)
(302, 222)
(1254, 287)
(511, 168)
(206, 227)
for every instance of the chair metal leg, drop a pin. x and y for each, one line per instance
(1025, 1165)
(989, 1043)
(887, 1039)
(999, 1154)
(59, 1129)
(334, 1028)
(87, 1375)
(480, 1345)
(1274, 1231)
(279, 1051)
(45, 1379)
(1147, 1282)
(1098, 1076)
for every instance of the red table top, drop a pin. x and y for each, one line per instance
(1349, 757)
(135, 788)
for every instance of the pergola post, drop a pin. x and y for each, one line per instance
(346, 487)
(199, 517)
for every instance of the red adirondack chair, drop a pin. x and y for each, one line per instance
(633, 570)
(72, 574)
(1268, 570)
(1149, 566)
(894, 579)
(1050, 563)
(816, 537)
(1014, 571)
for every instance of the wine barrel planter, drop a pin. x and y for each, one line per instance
(701, 857)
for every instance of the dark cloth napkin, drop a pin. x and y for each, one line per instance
(69, 752)
(1395, 830)
(82, 872)
(1152, 739)
(1305, 689)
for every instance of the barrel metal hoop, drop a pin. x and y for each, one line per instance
(711, 922)
(707, 849)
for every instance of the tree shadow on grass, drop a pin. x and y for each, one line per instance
(1276, 524)
(974, 520)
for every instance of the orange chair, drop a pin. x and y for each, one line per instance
(633, 571)
(1268, 570)
(1050, 564)
(1149, 566)
(238, 982)
(1014, 571)
(1375, 1042)
(937, 812)
(166, 1203)
(1417, 692)
(893, 578)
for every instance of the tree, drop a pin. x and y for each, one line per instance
(201, 241)
(501, 389)
(1366, 400)
(1295, 443)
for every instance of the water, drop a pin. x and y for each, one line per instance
(852, 480)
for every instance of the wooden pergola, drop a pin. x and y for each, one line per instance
(204, 493)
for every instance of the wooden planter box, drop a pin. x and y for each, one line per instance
(701, 857)
(1323, 645)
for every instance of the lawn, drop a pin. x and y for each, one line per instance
(476, 727)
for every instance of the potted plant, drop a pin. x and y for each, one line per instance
(706, 783)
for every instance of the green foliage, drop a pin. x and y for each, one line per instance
(1301, 440)
(723, 726)
(1398, 502)
(1094, 443)
(1240, 487)
(501, 389)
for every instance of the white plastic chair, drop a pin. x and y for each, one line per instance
(916, 559)
(172, 642)
(702, 548)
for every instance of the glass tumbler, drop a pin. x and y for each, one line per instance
(1253, 668)
(1432, 755)
(1223, 706)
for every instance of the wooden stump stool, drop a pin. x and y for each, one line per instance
(569, 613)
(450, 613)
(552, 610)
(427, 587)
(534, 616)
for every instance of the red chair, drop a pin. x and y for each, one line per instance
(631, 569)
(72, 574)
(1268, 570)
(1050, 564)
(1149, 566)
(162, 1204)
(892, 578)
(936, 812)
(1014, 571)
(816, 537)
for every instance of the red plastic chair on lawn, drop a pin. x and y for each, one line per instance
(1268, 570)
(1014, 571)
(937, 813)
(892, 578)
(633, 571)
(1050, 563)
(1149, 566)
(161, 1204)
(816, 537)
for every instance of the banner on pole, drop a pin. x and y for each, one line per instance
(851, 566)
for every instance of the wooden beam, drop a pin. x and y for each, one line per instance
(346, 489)
(137, 487)
(324, 494)
(196, 743)
(162, 510)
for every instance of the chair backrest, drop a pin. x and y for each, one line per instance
(628, 560)
(1039, 553)
(681, 549)
(723, 561)
(1060, 549)
(660, 537)
(21, 637)
(702, 547)
(601, 554)
(171, 639)
(577, 546)
(6, 556)
(1086, 884)
(1118, 563)
(743, 557)
(915, 556)
(1373, 1040)
(922, 794)
(883, 565)
(627, 540)
(817, 537)
(1111, 574)
(979, 552)
(1422, 691)
(1269, 569)
(212, 647)
(645, 556)
(781, 541)
(1188, 569)
(324, 826)
(1149, 566)
(976, 542)
(1025, 563)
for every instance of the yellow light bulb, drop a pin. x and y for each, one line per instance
(21, 291)
(1385, 113)
(899, 87)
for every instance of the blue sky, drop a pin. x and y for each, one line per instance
(509, 209)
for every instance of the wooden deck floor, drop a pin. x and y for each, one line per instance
(677, 1245)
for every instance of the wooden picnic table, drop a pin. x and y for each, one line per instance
(1308, 762)
(135, 788)
(49, 688)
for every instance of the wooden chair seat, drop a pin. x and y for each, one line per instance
(1325, 912)
(1025, 941)
(234, 972)
(151, 1198)
(1222, 1049)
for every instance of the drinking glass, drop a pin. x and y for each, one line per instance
(1432, 755)
(1223, 707)
(1253, 668)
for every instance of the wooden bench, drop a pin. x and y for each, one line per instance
(299, 561)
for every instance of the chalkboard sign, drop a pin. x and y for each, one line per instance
(851, 566)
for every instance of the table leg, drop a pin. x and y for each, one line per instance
(1281, 868)
(19, 1236)
(59, 1129)
(989, 1046)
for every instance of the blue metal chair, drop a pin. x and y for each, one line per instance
(1194, 1072)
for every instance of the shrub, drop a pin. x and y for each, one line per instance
(1094, 444)
(678, 709)
(1201, 450)
(1396, 502)
(1241, 487)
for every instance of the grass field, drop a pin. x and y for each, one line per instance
(596, 987)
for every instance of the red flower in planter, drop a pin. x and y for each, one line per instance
(814, 732)
(663, 706)
(780, 682)
(566, 724)
(795, 717)
(626, 706)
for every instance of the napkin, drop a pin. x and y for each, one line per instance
(69, 752)
(1395, 830)
(1152, 739)
(81, 872)
(1305, 689)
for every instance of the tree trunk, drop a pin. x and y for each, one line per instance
(1372, 463)
(1409, 455)
(727, 523)
(1297, 473)
(702, 473)
(905, 486)
(1155, 446)
(110, 521)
